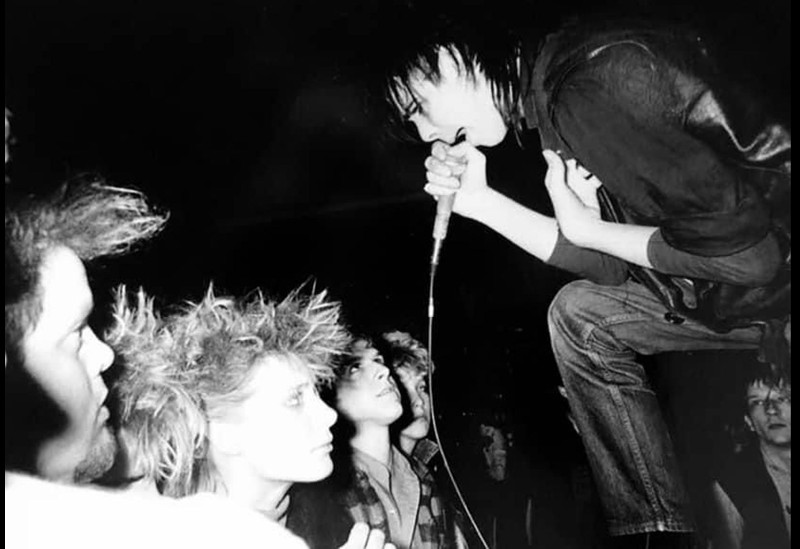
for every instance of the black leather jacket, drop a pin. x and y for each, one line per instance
(677, 147)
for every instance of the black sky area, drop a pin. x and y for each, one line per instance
(244, 119)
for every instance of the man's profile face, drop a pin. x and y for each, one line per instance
(415, 385)
(769, 413)
(65, 357)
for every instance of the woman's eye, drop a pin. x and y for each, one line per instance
(295, 400)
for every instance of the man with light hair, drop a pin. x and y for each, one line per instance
(408, 360)
(55, 413)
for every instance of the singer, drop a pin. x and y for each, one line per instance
(670, 188)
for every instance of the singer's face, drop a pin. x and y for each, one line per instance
(457, 102)
(367, 393)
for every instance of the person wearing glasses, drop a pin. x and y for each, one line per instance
(753, 491)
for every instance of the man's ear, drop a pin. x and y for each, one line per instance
(225, 437)
(749, 423)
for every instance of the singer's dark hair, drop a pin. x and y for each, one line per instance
(491, 48)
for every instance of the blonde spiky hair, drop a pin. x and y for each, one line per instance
(189, 367)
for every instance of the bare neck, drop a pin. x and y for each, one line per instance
(243, 485)
(374, 441)
(778, 455)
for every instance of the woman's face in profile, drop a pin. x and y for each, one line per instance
(282, 428)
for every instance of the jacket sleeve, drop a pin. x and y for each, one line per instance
(624, 118)
(753, 267)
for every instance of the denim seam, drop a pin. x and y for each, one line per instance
(588, 337)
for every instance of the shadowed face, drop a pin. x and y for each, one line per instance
(769, 413)
(456, 103)
(415, 385)
(65, 357)
(495, 451)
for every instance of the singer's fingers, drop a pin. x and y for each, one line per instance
(465, 150)
(437, 190)
(579, 179)
(443, 181)
(577, 173)
(376, 540)
(444, 168)
(555, 169)
(358, 536)
(439, 150)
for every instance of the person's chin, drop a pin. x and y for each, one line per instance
(417, 430)
(492, 139)
(99, 459)
(321, 470)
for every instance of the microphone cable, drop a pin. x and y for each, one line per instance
(434, 423)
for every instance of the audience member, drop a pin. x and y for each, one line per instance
(753, 488)
(379, 485)
(497, 486)
(407, 359)
(222, 397)
(40, 513)
(56, 419)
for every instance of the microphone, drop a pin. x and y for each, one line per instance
(444, 207)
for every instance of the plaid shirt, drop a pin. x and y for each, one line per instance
(431, 530)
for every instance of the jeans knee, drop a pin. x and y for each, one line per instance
(569, 310)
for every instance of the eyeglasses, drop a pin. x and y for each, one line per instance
(769, 403)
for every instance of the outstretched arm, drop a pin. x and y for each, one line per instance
(461, 169)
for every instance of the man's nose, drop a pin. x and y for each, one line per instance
(102, 355)
(771, 406)
(427, 131)
(381, 372)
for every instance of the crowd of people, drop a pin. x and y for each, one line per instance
(255, 421)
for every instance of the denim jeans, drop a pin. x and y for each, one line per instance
(597, 333)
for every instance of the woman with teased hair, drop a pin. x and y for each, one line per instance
(222, 396)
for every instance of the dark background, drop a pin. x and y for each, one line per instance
(244, 119)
